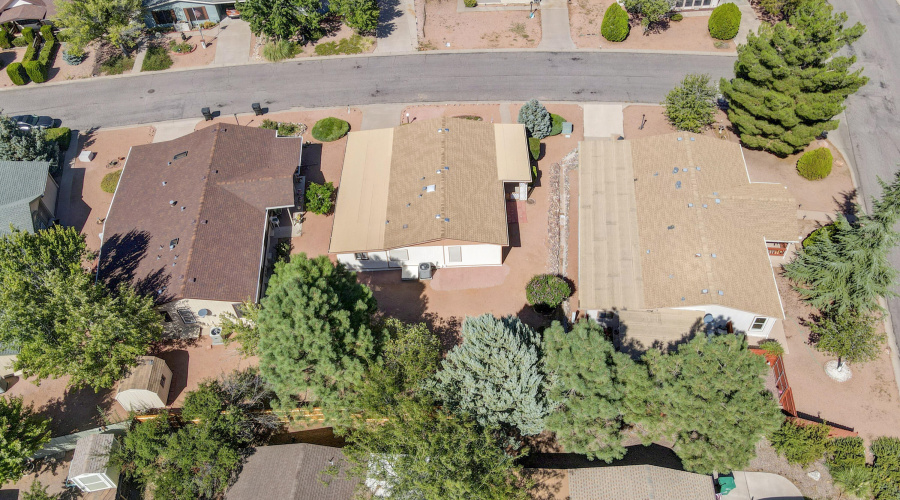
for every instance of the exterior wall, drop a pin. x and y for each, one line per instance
(437, 255)
(50, 193)
(215, 307)
(6, 364)
(740, 320)
(683, 5)
(213, 12)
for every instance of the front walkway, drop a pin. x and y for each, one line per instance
(233, 37)
(761, 485)
(396, 27)
(555, 26)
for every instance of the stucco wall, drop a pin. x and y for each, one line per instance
(437, 255)
(215, 307)
(741, 320)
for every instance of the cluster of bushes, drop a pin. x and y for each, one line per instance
(320, 198)
(725, 21)
(615, 25)
(156, 59)
(34, 69)
(547, 291)
(330, 129)
(815, 164)
(285, 129)
(280, 50)
(117, 64)
(356, 44)
(180, 48)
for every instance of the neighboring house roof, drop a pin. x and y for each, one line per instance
(26, 10)
(21, 182)
(639, 482)
(292, 472)
(145, 376)
(700, 225)
(399, 186)
(91, 455)
(221, 192)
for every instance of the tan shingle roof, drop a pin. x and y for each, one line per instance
(639, 482)
(293, 472)
(707, 207)
(405, 196)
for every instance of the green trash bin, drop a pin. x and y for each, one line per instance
(726, 484)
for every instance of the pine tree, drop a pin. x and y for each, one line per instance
(788, 84)
(692, 105)
(848, 271)
(23, 433)
(715, 402)
(586, 382)
(315, 330)
(496, 375)
(26, 145)
(536, 119)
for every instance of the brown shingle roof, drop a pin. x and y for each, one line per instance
(463, 163)
(221, 190)
(293, 472)
(639, 482)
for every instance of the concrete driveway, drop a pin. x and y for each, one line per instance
(233, 37)
(762, 486)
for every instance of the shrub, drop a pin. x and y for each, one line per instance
(547, 290)
(725, 21)
(36, 71)
(19, 41)
(536, 119)
(180, 48)
(14, 70)
(691, 105)
(110, 181)
(800, 444)
(5, 38)
(73, 56)
(615, 23)
(815, 164)
(844, 453)
(156, 59)
(772, 347)
(822, 232)
(356, 44)
(269, 124)
(280, 50)
(208, 24)
(556, 128)
(676, 17)
(117, 64)
(29, 52)
(471, 3)
(47, 33)
(856, 481)
(47, 51)
(886, 469)
(28, 34)
(534, 147)
(320, 198)
(330, 129)
(61, 135)
(287, 129)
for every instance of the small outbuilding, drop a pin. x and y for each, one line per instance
(147, 386)
(90, 469)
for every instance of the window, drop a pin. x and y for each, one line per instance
(758, 324)
(361, 256)
(162, 381)
(186, 315)
(399, 255)
(180, 156)
(164, 16)
(455, 254)
(196, 14)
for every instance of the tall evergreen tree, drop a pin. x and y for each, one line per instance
(22, 433)
(850, 336)
(26, 145)
(715, 401)
(847, 270)
(315, 330)
(788, 84)
(585, 371)
(536, 119)
(496, 375)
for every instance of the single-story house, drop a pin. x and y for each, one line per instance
(26, 12)
(192, 220)
(293, 472)
(27, 196)
(146, 386)
(638, 481)
(90, 469)
(429, 193)
(189, 13)
(673, 222)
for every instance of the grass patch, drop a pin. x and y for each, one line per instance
(157, 59)
(117, 64)
(280, 50)
(556, 129)
(474, 118)
(110, 181)
(330, 129)
(354, 45)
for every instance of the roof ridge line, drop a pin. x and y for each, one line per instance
(196, 225)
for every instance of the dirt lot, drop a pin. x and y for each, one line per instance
(59, 70)
(200, 56)
(336, 33)
(477, 30)
(691, 33)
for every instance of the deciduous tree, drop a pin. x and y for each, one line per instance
(117, 22)
(284, 19)
(850, 336)
(361, 15)
(691, 106)
(22, 433)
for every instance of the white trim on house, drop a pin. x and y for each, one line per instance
(439, 256)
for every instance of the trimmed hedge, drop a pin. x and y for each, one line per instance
(14, 70)
(36, 71)
(29, 53)
(470, 3)
(28, 34)
(815, 164)
(615, 23)
(676, 17)
(725, 21)
(547, 290)
(5, 39)
(62, 136)
(110, 181)
(330, 129)
(534, 146)
(557, 120)
(19, 41)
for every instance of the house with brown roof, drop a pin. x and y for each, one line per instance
(675, 236)
(431, 193)
(192, 221)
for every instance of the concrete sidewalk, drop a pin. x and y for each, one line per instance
(555, 34)
(762, 486)
(377, 116)
(396, 32)
(233, 38)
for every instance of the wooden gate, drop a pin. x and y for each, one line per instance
(786, 395)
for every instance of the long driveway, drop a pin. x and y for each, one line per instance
(481, 76)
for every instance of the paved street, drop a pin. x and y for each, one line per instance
(488, 76)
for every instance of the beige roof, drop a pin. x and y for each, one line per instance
(293, 472)
(400, 186)
(638, 482)
(701, 224)
(662, 329)
(145, 376)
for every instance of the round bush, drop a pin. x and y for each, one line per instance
(330, 129)
(557, 124)
(470, 3)
(73, 56)
(110, 181)
(615, 23)
(725, 21)
(815, 164)
(676, 17)
(16, 73)
(547, 290)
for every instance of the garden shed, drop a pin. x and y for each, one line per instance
(90, 469)
(147, 386)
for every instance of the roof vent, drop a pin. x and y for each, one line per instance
(678, 185)
(438, 171)
(205, 221)
(690, 205)
(721, 292)
(180, 155)
(682, 299)
(712, 255)
(429, 188)
(408, 204)
(387, 222)
(446, 130)
(446, 168)
(656, 174)
(173, 243)
(692, 138)
(193, 280)
(182, 209)
(679, 138)
(715, 193)
(447, 219)
(698, 169)
(705, 205)
(704, 291)
(684, 169)
(648, 251)
(440, 130)
(696, 255)
(718, 201)
(675, 170)
(671, 227)
(163, 183)
(405, 226)
(172, 202)
(437, 216)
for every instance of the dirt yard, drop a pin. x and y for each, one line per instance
(336, 33)
(199, 56)
(476, 30)
(690, 34)
(59, 70)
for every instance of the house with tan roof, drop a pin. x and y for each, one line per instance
(429, 194)
(675, 238)
(193, 220)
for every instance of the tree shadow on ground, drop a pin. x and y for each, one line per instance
(653, 454)
(77, 410)
(390, 11)
(846, 202)
(547, 483)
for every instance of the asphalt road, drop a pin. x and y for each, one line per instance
(488, 76)
(872, 118)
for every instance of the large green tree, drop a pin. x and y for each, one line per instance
(496, 375)
(851, 336)
(284, 19)
(715, 402)
(61, 319)
(361, 15)
(243, 330)
(26, 145)
(316, 331)
(586, 382)
(117, 22)
(22, 433)
(650, 11)
(691, 106)
(789, 84)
